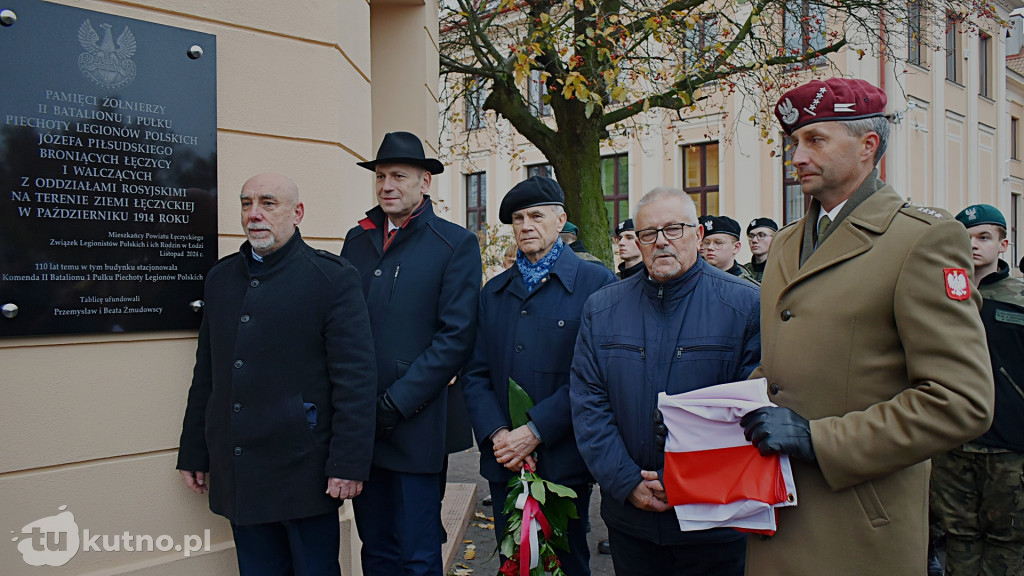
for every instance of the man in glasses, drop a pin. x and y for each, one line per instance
(760, 232)
(689, 326)
(721, 244)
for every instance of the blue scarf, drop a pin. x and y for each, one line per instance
(534, 273)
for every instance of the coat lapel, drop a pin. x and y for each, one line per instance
(851, 237)
(790, 259)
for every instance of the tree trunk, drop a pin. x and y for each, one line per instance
(577, 164)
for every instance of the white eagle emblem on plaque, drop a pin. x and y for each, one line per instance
(103, 62)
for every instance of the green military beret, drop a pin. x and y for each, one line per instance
(981, 214)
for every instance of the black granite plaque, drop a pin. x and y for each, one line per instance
(108, 171)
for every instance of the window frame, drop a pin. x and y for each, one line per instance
(1014, 138)
(985, 65)
(480, 208)
(535, 96)
(953, 35)
(803, 16)
(915, 30)
(620, 189)
(704, 189)
(475, 96)
(790, 185)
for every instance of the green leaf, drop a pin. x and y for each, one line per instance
(563, 491)
(519, 403)
(538, 492)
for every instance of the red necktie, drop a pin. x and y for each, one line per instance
(389, 237)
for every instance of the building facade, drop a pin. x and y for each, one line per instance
(955, 138)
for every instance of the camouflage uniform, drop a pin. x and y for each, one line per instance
(978, 490)
(741, 272)
(755, 270)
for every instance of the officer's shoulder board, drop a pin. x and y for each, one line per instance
(925, 213)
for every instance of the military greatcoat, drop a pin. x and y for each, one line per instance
(876, 339)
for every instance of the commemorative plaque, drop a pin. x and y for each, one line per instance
(108, 171)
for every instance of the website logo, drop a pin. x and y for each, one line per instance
(50, 541)
(54, 541)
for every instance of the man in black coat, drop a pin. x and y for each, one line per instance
(280, 420)
(421, 278)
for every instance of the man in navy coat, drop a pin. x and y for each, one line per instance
(679, 326)
(279, 423)
(529, 318)
(421, 277)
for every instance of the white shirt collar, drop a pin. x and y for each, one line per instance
(833, 212)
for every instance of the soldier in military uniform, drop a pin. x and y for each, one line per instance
(721, 244)
(629, 250)
(872, 348)
(977, 496)
(760, 233)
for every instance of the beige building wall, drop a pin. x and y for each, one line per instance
(92, 422)
(949, 146)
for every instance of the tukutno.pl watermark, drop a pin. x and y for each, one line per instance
(54, 541)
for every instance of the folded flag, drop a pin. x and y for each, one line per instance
(713, 476)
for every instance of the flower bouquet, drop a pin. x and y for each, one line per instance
(538, 511)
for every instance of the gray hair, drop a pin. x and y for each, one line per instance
(669, 192)
(877, 124)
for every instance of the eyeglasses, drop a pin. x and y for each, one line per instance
(759, 236)
(671, 232)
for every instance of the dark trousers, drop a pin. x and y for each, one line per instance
(633, 556)
(575, 562)
(398, 517)
(301, 547)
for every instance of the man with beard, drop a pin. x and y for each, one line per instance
(279, 421)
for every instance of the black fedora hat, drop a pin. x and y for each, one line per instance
(403, 148)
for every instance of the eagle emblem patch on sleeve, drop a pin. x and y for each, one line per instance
(958, 287)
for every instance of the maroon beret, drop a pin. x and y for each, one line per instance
(832, 99)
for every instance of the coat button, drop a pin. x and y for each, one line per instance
(561, 323)
(245, 318)
(774, 389)
(786, 315)
(254, 282)
(238, 363)
(377, 272)
(523, 313)
(519, 348)
(236, 407)
(238, 451)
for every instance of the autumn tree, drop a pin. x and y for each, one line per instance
(601, 64)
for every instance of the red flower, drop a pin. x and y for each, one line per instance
(551, 562)
(511, 565)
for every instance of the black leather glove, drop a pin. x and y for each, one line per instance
(660, 430)
(777, 430)
(388, 415)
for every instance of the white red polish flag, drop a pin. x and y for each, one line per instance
(713, 476)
